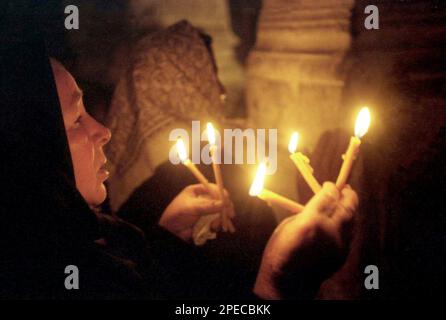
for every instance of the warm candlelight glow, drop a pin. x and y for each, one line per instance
(361, 127)
(211, 133)
(272, 198)
(181, 149)
(362, 122)
(292, 145)
(257, 185)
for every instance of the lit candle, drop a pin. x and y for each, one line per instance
(226, 222)
(257, 190)
(302, 163)
(361, 126)
(182, 153)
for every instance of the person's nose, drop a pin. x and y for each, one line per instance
(102, 134)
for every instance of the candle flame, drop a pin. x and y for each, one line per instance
(211, 133)
(294, 140)
(181, 149)
(257, 184)
(362, 122)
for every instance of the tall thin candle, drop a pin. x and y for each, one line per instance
(227, 224)
(361, 128)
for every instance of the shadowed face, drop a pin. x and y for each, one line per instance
(86, 138)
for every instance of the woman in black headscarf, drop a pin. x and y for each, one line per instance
(86, 139)
(48, 222)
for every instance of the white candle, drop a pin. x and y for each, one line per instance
(182, 153)
(361, 127)
(257, 190)
(303, 164)
(226, 222)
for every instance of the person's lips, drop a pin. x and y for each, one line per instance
(103, 173)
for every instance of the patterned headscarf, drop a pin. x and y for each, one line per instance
(171, 76)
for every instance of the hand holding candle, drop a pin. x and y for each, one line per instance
(182, 153)
(361, 127)
(257, 190)
(302, 163)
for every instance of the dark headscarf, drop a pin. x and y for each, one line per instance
(46, 225)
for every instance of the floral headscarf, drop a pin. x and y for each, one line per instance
(171, 76)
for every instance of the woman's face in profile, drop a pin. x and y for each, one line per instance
(86, 138)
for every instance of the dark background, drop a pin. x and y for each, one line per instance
(400, 175)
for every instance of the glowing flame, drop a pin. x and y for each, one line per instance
(362, 122)
(257, 184)
(181, 149)
(294, 140)
(211, 133)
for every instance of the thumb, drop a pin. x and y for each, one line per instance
(324, 201)
(199, 189)
(206, 206)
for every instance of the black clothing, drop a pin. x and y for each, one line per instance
(417, 250)
(46, 224)
(237, 256)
